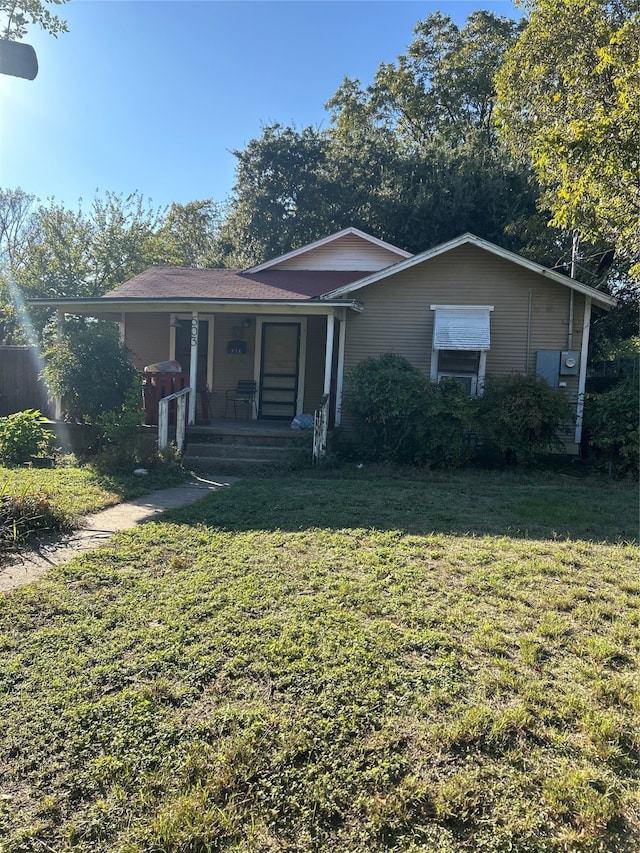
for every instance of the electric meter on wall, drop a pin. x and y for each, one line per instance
(569, 362)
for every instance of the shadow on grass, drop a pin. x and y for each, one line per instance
(522, 505)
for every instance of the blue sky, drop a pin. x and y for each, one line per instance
(153, 95)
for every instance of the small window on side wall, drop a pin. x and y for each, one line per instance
(461, 339)
(462, 365)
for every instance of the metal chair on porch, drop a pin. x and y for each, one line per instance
(244, 394)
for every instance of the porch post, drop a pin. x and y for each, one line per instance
(193, 368)
(172, 336)
(328, 354)
(342, 331)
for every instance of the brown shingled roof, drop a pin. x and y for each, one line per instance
(178, 282)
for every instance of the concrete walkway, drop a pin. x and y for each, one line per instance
(98, 528)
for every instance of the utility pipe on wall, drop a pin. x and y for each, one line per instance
(528, 353)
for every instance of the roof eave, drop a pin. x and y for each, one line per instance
(110, 305)
(602, 299)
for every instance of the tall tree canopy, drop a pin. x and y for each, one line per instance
(412, 158)
(441, 88)
(569, 93)
(50, 250)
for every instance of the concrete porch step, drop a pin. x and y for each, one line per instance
(249, 436)
(234, 446)
(201, 450)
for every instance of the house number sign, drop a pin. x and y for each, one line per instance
(194, 332)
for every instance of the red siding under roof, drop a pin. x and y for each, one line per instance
(178, 282)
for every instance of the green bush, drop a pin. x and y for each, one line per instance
(611, 422)
(387, 396)
(521, 416)
(89, 369)
(23, 437)
(444, 425)
(123, 444)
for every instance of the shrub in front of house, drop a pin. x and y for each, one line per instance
(611, 419)
(444, 425)
(404, 418)
(123, 445)
(521, 417)
(387, 397)
(89, 369)
(23, 437)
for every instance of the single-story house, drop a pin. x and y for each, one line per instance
(297, 323)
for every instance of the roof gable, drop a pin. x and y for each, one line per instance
(601, 299)
(349, 249)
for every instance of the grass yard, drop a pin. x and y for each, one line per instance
(349, 662)
(43, 499)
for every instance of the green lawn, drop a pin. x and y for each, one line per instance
(349, 662)
(51, 499)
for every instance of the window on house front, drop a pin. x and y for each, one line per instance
(461, 339)
(462, 365)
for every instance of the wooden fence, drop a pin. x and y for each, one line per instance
(20, 387)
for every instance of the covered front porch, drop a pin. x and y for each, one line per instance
(285, 363)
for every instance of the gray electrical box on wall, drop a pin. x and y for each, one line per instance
(569, 363)
(548, 365)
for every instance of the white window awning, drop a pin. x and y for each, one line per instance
(462, 327)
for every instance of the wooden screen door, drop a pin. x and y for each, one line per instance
(279, 370)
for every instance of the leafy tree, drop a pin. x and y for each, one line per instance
(187, 235)
(50, 250)
(443, 85)
(412, 158)
(16, 15)
(15, 212)
(280, 196)
(569, 104)
(86, 253)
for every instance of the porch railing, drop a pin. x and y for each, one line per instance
(320, 428)
(181, 398)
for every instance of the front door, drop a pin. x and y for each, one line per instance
(279, 370)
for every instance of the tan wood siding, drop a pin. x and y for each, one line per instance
(397, 316)
(346, 253)
(227, 367)
(147, 337)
